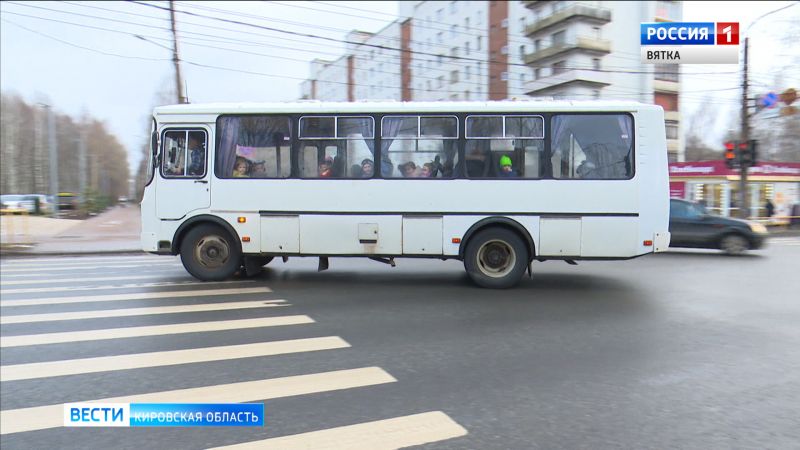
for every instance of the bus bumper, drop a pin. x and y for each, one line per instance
(661, 241)
(149, 242)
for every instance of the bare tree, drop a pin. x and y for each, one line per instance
(699, 125)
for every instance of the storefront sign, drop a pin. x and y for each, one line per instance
(677, 189)
(718, 169)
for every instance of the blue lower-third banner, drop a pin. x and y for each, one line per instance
(164, 415)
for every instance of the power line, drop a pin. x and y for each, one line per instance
(522, 92)
(82, 47)
(382, 47)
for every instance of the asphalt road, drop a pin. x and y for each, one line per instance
(688, 349)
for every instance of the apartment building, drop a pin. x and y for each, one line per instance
(494, 50)
(437, 50)
(590, 49)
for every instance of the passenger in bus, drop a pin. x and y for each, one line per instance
(409, 169)
(426, 171)
(197, 156)
(241, 169)
(506, 167)
(259, 169)
(367, 168)
(326, 168)
(586, 169)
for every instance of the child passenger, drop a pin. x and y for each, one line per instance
(241, 168)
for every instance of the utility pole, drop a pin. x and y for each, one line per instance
(175, 59)
(744, 211)
(51, 134)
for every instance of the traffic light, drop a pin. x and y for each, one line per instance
(753, 151)
(744, 154)
(730, 155)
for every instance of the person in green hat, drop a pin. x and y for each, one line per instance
(506, 169)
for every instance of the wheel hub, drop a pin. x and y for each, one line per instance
(212, 252)
(496, 258)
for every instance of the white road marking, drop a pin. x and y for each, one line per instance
(52, 416)
(39, 280)
(47, 270)
(88, 264)
(146, 258)
(153, 330)
(388, 434)
(105, 313)
(167, 358)
(148, 269)
(133, 296)
(118, 286)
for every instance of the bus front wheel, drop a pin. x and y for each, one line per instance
(496, 258)
(209, 253)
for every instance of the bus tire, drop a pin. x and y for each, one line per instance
(209, 253)
(496, 258)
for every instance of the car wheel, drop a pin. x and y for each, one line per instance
(209, 253)
(496, 258)
(734, 244)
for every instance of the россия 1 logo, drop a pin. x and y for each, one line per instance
(690, 43)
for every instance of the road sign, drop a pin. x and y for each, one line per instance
(769, 100)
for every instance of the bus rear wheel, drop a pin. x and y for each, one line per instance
(496, 258)
(209, 253)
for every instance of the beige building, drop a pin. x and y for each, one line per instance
(590, 49)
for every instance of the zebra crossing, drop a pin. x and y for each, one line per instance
(60, 303)
(791, 241)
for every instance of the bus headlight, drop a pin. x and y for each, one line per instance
(758, 228)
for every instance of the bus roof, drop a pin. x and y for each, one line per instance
(316, 107)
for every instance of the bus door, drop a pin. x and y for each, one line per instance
(183, 186)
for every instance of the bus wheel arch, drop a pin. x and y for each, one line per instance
(498, 222)
(185, 227)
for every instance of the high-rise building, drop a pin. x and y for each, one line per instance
(494, 50)
(591, 49)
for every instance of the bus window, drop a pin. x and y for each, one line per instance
(181, 146)
(174, 153)
(335, 146)
(253, 147)
(504, 146)
(419, 146)
(592, 146)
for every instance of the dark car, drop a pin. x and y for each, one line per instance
(690, 225)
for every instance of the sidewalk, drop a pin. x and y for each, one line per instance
(115, 231)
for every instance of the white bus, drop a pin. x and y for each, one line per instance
(494, 184)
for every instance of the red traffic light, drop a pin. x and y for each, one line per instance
(730, 155)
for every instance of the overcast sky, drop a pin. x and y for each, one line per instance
(87, 56)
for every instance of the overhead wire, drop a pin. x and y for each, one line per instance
(382, 47)
(620, 92)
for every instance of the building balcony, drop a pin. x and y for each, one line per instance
(584, 77)
(597, 46)
(666, 86)
(579, 11)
